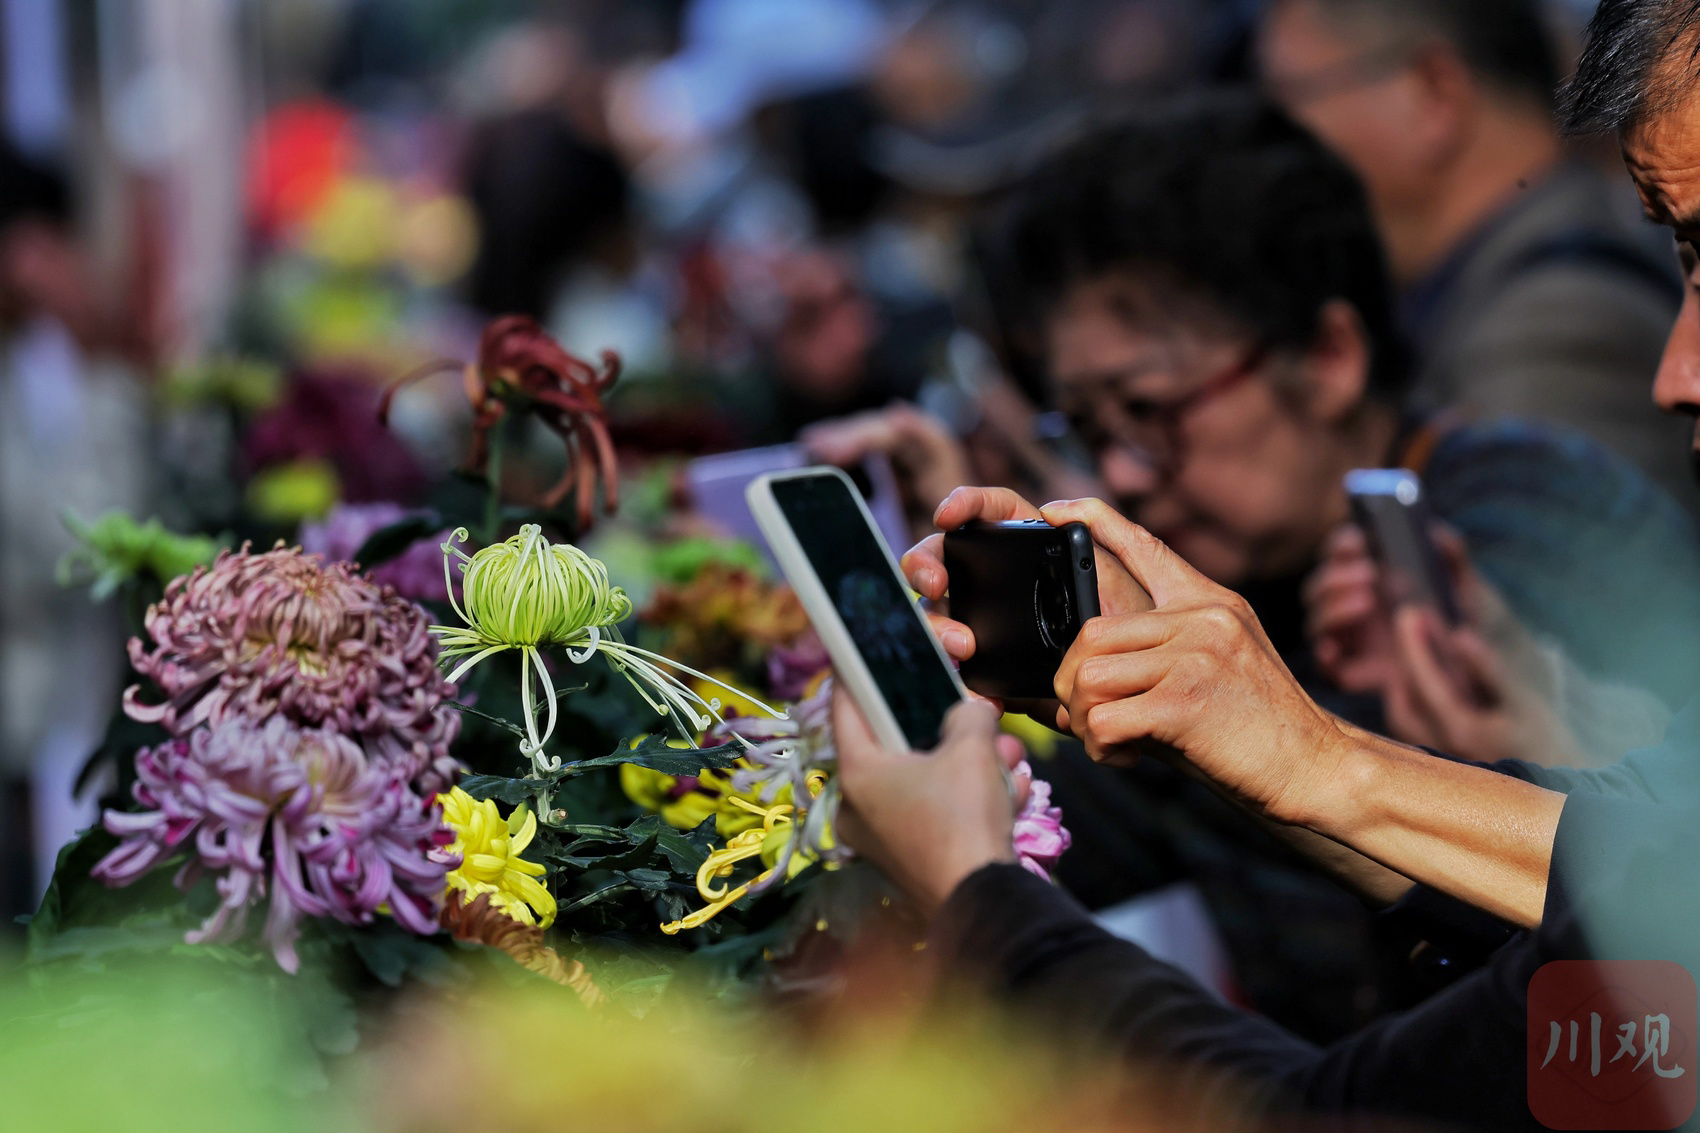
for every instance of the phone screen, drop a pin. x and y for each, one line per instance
(850, 561)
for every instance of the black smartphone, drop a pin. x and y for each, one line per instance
(1388, 503)
(1024, 588)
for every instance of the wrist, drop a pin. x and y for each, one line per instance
(951, 872)
(1338, 799)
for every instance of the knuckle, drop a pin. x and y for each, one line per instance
(1095, 675)
(1220, 618)
(1091, 636)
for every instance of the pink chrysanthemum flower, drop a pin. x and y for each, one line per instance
(297, 814)
(282, 633)
(1040, 836)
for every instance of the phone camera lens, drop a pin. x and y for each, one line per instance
(1056, 615)
(1086, 563)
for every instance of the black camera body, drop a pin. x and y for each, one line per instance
(1024, 588)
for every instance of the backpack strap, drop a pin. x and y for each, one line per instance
(1417, 447)
(1587, 246)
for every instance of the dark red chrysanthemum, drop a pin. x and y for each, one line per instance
(520, 367)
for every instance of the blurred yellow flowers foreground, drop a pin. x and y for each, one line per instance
(164, 1048)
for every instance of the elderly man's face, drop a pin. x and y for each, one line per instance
(1663, 155)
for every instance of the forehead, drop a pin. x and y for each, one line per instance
(1663, 156)
(1113, 325)
(1299, 31)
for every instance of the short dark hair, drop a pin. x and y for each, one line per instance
(1507, 43)
(1620, 78)
(1218, 199)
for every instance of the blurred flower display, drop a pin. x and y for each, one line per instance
(521, 367)
(477, 920)
(330, 421)
(729, 617)
(1040, 836)
(115, 548)
(318, 779)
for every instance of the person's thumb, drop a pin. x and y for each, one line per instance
(971, 723)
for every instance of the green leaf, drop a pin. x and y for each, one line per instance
(72, 890)
(392, 954)
(625, 854)
(653, 880)
(92, 942)
(391, 542)
(686, 850)
(511, 791)
(595, 897)
(654, 754)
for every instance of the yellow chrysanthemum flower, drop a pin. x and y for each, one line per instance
(490, 848)
(654, 791)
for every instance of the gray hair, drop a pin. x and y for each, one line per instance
(1626, 73)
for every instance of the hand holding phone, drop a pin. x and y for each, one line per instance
(882, 650)
(1118, 591)
(1389, 505)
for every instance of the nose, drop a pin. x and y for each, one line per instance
(1677, 386)
(1127, 473)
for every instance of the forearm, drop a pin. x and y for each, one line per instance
(1369, 879)
(1474, 834)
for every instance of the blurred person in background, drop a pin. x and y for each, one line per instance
(1207, 284)
(72, 435)
(1528, 287)
(549, 194)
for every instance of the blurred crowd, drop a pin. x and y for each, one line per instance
(1199, 258)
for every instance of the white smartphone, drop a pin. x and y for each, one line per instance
(881, 647)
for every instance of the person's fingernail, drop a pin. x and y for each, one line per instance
(955, 641)
(927, 581)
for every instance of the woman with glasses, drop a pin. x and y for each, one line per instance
(1204, 284)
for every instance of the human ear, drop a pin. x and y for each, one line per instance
(1449, 96)
(1337, 363)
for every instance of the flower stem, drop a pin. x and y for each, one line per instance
(493, 474)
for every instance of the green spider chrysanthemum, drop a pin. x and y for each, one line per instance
(526, 593)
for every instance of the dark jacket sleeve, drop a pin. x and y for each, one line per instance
(1624, 884)
(1458, 1057)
